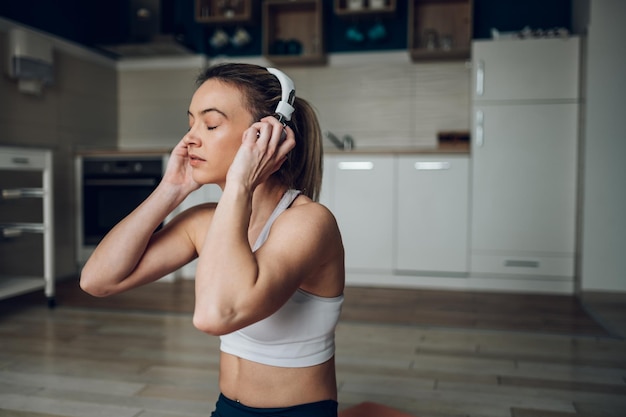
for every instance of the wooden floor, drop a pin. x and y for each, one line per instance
(427, 353)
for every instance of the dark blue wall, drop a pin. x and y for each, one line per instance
(514, 15)
(108, 22)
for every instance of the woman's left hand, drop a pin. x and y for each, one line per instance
(262, 152)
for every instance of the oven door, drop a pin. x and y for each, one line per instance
(106, 201)
(108, 188)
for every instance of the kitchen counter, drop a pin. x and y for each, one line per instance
(462, 148)
(123, 152)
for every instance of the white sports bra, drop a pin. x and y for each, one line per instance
(301, 333)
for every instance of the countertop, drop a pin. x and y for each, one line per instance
(461, 148)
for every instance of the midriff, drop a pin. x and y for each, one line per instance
(257, 385)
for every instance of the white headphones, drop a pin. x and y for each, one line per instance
(285, 108)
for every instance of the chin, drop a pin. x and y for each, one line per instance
(205, 178)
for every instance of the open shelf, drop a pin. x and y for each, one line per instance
(225, 11)
(440, 29)
(364, 7)
(293, 32)
(19, 218)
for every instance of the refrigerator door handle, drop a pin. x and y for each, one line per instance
(480, 129)
(480, 78)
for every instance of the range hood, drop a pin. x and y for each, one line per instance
(145, 34)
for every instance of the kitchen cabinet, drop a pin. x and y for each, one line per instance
(221, 12)
(439, 29)
(293, 32)
(26, 209)
(360, 193)
(524, 156)
(432, 214)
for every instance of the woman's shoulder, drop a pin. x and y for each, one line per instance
(304, 209)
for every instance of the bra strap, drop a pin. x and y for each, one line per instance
(284, 203)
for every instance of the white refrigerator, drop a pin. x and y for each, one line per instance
(525, 117)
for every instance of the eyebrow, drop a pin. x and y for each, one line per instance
(210, 109)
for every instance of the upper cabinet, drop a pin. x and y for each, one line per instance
(223, 11)
(364, 7)
(440, 29)
(293, 32)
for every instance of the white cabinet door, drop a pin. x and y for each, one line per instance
(524, 189)
(530, 69)
(432, 213)
(361, 197)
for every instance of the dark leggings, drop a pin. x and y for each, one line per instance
(226, 407)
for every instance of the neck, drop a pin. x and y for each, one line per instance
(265, 198)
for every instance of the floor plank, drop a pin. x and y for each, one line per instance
(538, 313)
(424, 353)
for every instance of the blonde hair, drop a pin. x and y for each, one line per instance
(262, 91)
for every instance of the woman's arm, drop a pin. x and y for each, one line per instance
(234, 286)
(114, 265)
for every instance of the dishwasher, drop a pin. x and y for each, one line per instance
(26, 222)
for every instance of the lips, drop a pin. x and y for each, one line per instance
(195, 158)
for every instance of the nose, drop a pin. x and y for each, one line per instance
(191, 137)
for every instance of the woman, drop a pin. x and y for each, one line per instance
(270, 272)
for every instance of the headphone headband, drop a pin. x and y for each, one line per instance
(285, 108)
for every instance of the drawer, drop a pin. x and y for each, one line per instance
(11, 158)
(520, 264)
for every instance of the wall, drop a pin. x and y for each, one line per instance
(380, 99)
(154, 95)
(79, 110)
(604, 200)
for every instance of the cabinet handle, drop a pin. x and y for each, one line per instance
(480, 78)
(480, 128)
(8, 194)
(432, 166)
(20, 160)
(356, 165)
(521, 263)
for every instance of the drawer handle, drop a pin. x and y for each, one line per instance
(518, 263)
(356, 165)
(11, 232)
(20, 160)
(432, 166)
(8, 194)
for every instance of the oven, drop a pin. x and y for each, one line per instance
(109, 187)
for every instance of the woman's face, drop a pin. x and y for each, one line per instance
(217, 120)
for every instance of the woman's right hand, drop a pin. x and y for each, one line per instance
(178, 172)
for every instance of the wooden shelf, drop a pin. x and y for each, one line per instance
(11, 286)
(16, 167)
(293, 32)
(421, 54)
(364, 7)
(223, 12)
(440, 29)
